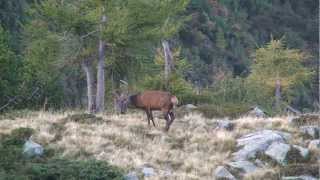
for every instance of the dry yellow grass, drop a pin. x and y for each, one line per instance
(192, 149)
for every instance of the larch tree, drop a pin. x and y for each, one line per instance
(172, 22)
(278, 69)
(87, 30)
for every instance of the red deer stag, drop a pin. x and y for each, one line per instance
(149, 101)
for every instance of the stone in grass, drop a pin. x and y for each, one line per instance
(310, 131)
(225, 124)
(148, 171)
(259, 141)
(256, 112)
(131, 176)
(285, 154)
(222, 173)
(190, 106)
(243, 166)
(279, 152)
(32, 149)
(314, 145)
(303, 177)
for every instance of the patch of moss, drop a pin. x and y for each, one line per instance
(300, 169)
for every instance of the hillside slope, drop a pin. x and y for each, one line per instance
(192, 149)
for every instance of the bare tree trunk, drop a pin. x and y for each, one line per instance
(278, 95)
(100, 73)
(319, 77)
(90, 86)
(168, 62)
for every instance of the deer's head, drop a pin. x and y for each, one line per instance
(121, 102)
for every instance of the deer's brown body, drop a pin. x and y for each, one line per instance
(155, 100)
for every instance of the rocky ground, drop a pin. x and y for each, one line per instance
(194, 148)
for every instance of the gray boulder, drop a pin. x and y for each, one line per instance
(32, 149)
(314, 144)
(256, 112)
(311, 131)
(131, 176)
(148, 171)
(222, 173)
(258, 142)
(279, 152)
(190, 106)
(243, 166)
(225, 124)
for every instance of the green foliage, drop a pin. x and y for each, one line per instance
(14, 166)
(276, 62)
(42, 44)
(9, 68)
(66, 169)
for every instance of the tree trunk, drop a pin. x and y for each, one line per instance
(168, 58)
(278, 95)
(319, 80)
(100, 71)
(90, 86)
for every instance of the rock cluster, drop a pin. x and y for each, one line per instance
(270, 145)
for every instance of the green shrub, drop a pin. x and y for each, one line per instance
(67, 169)
(18, 136)
(13, 165)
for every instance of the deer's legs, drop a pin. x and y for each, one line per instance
(167, 118)
(151, 117)
(171, 114)
(148, 116)
(172, 117)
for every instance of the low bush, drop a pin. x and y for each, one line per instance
(13, 165)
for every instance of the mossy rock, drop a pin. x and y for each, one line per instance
(84, 118)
